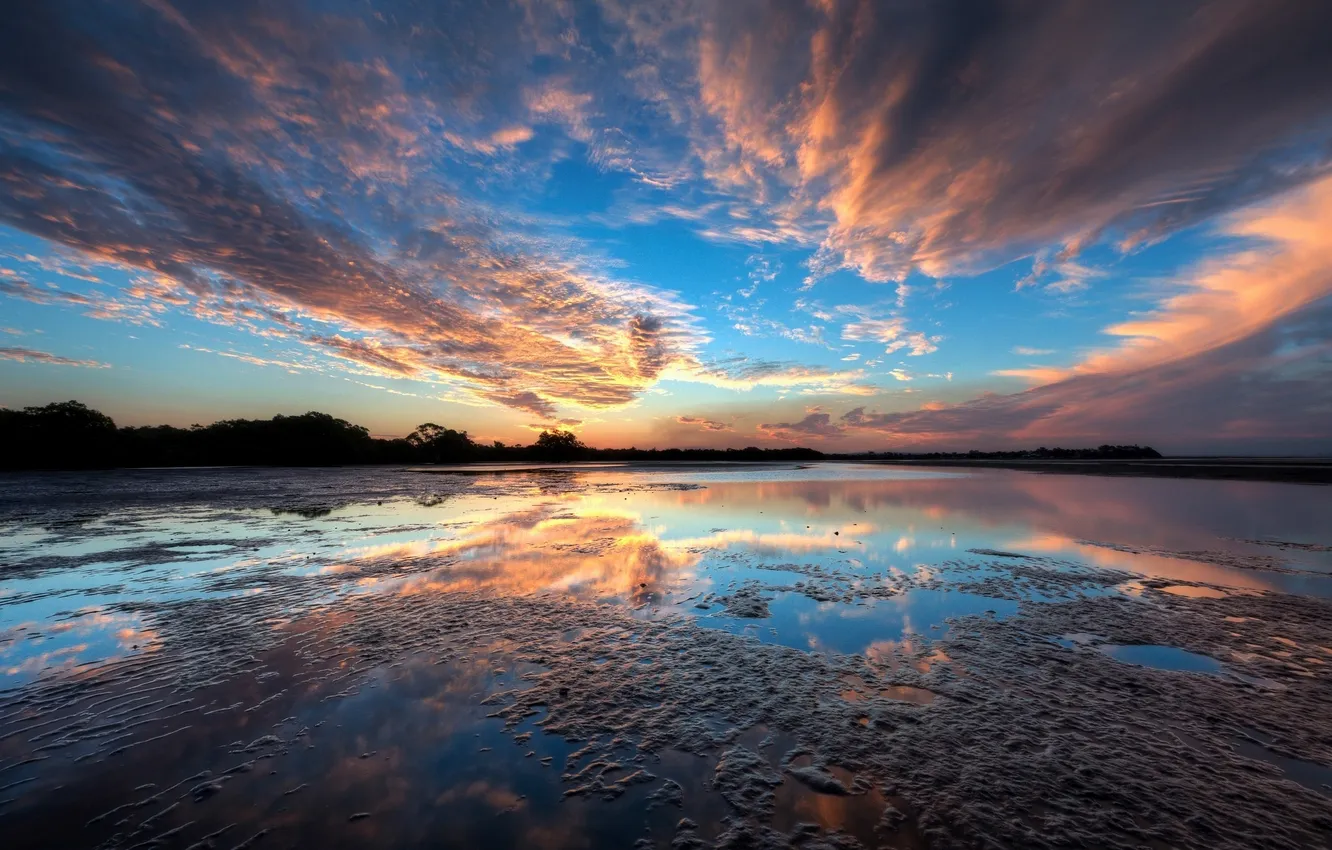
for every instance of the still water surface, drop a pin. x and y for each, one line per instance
(843, 560)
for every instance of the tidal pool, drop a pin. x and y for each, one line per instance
(1163, 658)
(603, 655)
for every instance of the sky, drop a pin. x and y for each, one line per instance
(877, 225)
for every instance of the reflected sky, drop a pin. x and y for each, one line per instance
(870, 568)
(664, 542)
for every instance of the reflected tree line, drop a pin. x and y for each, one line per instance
(70, 435)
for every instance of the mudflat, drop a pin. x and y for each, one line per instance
(814, 656)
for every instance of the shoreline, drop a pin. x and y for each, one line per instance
(1274, 470)
(1285, 470)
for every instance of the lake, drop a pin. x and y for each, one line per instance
(827, 655)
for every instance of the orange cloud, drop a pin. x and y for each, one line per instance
(1288, 267)
(1232, 354)
(949, 142)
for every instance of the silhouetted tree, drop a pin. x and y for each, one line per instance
(64, 435)
(437, 444)
(559, 446)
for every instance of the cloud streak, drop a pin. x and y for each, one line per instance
(704, 424)
(29, 355)
(953, 136)
(378, 187)
(1237, 354)
(112, 151)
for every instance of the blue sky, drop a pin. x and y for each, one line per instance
(846, 225)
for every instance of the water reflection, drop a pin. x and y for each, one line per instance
(410, 761)
(70, 591)
(1162, 658)
(849, 560)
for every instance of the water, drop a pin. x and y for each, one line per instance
(328, 585)
(595, 536)
(1162, 658)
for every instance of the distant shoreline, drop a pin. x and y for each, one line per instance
(1272, 469)
(1317, 471)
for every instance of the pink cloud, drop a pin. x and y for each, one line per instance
(28, 355)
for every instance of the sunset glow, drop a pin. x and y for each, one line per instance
(845, 225)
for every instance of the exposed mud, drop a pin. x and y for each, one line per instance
(1287, 544)
(434, 707)
(1233, 560)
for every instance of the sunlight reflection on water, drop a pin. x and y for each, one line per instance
(854, 565)
(657, 540)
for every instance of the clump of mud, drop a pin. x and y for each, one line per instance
(748, 601)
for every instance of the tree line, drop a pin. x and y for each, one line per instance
(70, 435)
(1103, 452)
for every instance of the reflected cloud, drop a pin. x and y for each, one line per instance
(559, 549)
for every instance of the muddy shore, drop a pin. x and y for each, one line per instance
(1284, 470)
(702, 660)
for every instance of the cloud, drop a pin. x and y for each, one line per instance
(16, 287)
(193, 166)
(748, 321)
(874, 330)
(704, 424)
(254, 360)
(893, 333)
(815, 425)
(917, 344)
(28, 355)
(508, 137)
(745, 374)
(527, 401)
(1069, 276)
(761, 270)
(351, 183)
(949, 138)
(1028, 351)
(1281, 265)
(1270, 391)
(1236, 355)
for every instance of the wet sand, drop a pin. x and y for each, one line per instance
(762, 658)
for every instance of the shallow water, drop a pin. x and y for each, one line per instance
(396, 633)
(1163, 658)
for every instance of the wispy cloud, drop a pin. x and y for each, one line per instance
(950, 140)
(703, 424)
(370, 189)
(213, 199)
(745, 374)
(893, 334)
(1238, 355)
(29, 355)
